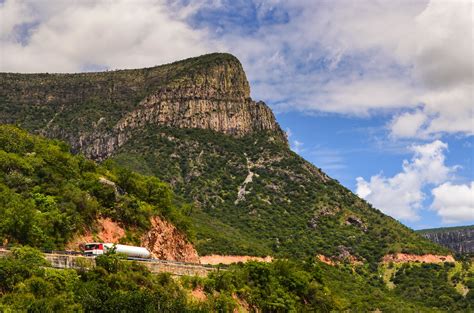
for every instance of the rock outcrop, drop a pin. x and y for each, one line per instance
(98, 112)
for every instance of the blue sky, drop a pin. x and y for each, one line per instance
(379, 94)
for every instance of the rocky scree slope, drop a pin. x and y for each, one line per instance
(193, 124)
(458, 239)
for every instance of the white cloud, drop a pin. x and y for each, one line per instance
(72, 36)
(408, 124)
(454, 203)
(401, 195)
(295, 145)
(348, 57)
(13, 13)
(373, 57)
(441, 50)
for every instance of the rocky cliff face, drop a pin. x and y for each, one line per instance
(458, 239)
(99, 112)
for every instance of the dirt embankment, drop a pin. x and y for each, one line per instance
(166, 242)
(198, 294)
(107, 231)
(425, 258)
(215, 259)
(339, 259)
(163, 240)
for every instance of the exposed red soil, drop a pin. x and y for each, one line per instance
(215, 259)
(337, 260)
(108, 231)
(199, 294)
(425, 258)
(163, 240)
(166, 242)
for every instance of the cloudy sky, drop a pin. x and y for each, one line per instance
(377, 93)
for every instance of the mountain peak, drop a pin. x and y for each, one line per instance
(217, 74)
(99, 112)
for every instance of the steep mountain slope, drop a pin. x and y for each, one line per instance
(192, 123)
(458, 239)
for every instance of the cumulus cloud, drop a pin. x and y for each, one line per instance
(454, 203)
(412, 59)
(401, 195)
(441, 50)
(362, 58)
(408, 124)
(65, 36)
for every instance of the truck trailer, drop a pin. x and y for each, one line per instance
(98, 248)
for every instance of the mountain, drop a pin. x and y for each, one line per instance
(98, 112)
(49, 198)
(458, 239)
(52, 199)
(193, 124)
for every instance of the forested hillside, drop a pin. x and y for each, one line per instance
(27, 284)
(48, 195)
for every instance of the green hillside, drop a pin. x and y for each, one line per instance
(290, 208)
(192, 124)
(27, 284)
(48, 195)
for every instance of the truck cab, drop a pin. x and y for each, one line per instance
(94, 248)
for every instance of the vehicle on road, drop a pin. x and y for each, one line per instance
(99, 248)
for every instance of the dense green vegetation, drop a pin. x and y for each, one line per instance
(112, 286)
(428, 284)
(47, 195)
(27, 284)
(289, 209)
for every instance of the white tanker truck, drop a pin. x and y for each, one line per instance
(98, 248)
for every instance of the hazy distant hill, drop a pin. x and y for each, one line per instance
(458, 239)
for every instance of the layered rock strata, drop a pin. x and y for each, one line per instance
(99, 112)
